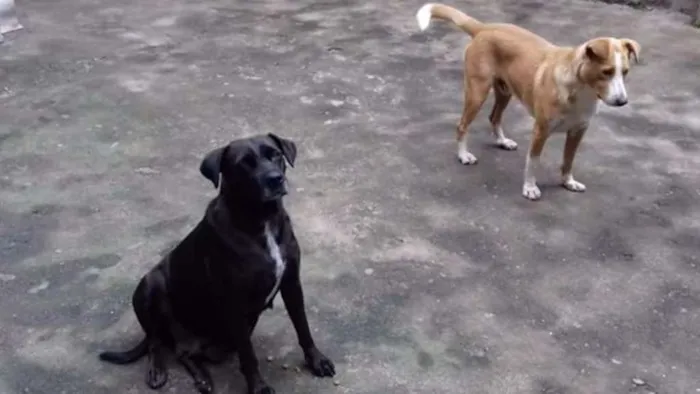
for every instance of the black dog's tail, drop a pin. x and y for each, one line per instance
(128, 356)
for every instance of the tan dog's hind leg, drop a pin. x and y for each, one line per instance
(476, 90)
(573, 139)
(502, 98)
(532, 161)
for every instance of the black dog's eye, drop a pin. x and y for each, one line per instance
(248, 161)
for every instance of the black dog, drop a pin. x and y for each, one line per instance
(204, 298)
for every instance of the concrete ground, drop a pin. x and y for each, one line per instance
(422, 275)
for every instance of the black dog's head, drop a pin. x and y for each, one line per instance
(251, 169)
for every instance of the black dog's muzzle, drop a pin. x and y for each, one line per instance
(273, 185)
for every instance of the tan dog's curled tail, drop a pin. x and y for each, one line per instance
(465, 22)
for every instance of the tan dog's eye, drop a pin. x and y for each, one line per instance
(608, 72)
(624, 72)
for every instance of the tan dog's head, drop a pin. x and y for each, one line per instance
(604, 63)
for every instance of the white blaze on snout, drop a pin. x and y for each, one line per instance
(616, 87)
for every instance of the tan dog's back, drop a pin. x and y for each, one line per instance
(513, 55)
(498, 51)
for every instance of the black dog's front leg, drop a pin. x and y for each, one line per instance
(199, 373)
(249, 361)
(293, 297)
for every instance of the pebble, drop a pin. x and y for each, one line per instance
(638, 382)
(146, 171)
(42, 286)
(616, 361)
(336, 382)
(7, 277)
(285, 366)
(269, 358)
(369, 271)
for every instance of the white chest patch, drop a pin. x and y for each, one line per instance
(274, 250)
(578, 115)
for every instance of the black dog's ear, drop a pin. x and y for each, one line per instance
(288, 147)
(211, 165)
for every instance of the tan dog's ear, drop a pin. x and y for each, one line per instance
(597, 49)
(632, 48)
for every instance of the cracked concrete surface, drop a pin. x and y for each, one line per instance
(422, 275)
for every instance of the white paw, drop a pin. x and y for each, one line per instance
(506, 144)
(466, 158)
(531, 191)
(573, 185)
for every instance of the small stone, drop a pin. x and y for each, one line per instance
(40, 287)
(369, 271)
(146, 171)
(285, 366)
(7, 277)
(638, 382)
(616, 361)
(297, 369)
(269, 358)
(337, 383)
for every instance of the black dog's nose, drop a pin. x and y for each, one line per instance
(274, 180)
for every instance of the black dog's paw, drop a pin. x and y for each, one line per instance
(263, 389)
(319, 364)
(203, 386)
(156, 378)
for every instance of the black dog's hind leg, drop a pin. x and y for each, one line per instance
(214, 354)
(153, 313)
(293, 297)
(217, 353)
(157, 374)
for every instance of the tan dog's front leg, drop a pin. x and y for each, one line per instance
(573, 139)
(532, 161)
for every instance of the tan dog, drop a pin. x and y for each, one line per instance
(560, 86)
